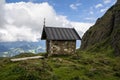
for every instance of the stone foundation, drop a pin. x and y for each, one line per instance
(60, 47)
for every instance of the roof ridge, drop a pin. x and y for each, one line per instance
(58, 27)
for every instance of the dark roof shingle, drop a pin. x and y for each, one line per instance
(55, 33)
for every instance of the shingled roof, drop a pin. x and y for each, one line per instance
(55, 33)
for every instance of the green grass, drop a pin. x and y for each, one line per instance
(84, 65)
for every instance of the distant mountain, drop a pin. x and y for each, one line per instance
(21, 43)
(3, 48)
(8, 49)
(105, 33)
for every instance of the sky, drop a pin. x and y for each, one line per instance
(22, 20)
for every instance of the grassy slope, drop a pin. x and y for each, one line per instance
(86, 66)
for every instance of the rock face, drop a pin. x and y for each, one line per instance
(105, 28)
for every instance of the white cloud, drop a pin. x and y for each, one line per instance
(106, 1)
(103, 10)
(72, 6)
(98, 6)
(13, 33)
(75, 6)
(24, 21)
(91, 12)
(2, 21)
(90, 18)
(81, 26)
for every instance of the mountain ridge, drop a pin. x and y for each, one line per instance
(106, 30)
(9, 49)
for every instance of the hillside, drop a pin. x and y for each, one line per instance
(83, 66)
(105, 33)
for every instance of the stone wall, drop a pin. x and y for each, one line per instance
(60, 47)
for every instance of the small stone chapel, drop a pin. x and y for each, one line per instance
(60, 40)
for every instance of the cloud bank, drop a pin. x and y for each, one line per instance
(23, 21)
(2, 21)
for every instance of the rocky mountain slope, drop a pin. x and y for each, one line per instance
(106, 31)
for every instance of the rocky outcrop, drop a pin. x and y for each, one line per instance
(105, 28)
